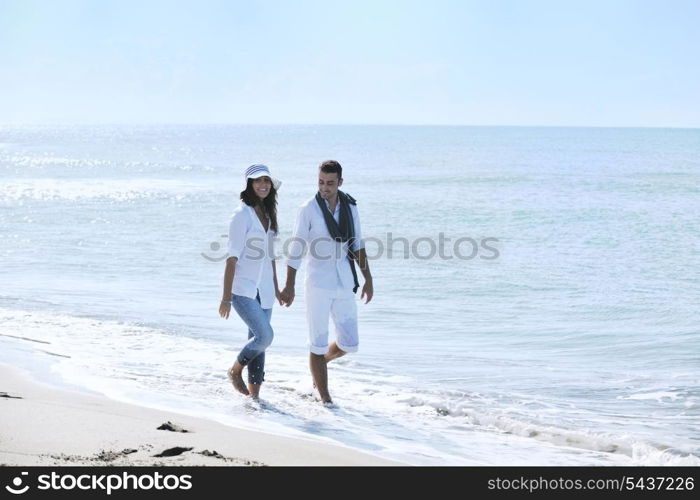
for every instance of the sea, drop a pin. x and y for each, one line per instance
(536, 289)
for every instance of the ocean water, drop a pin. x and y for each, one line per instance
(536, 289)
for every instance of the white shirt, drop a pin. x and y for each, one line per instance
(327, 264)
(252, 245)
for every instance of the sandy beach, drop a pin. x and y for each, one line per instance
(45, 425)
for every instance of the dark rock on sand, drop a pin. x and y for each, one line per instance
(109, 456)
(172, 452)
(169, 426)
(6, 395)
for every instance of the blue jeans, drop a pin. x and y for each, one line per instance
(259, 335)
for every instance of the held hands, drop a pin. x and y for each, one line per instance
(286, 296)
(368, 290)
(278, 294)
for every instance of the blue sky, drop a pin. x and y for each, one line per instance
(550, 63)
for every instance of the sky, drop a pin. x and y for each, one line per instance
(433, 62)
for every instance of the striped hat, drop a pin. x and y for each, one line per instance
(260, 170)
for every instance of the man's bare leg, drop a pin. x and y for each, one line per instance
(334, 352)
(319, 372)
(234, 374)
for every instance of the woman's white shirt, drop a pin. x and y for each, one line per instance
(253, 246)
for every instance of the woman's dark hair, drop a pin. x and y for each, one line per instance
(269, 203)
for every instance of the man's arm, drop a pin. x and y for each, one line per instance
(363, 264)
(360, 256)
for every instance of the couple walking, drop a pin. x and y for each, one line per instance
(329, 224)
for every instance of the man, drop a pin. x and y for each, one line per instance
(329, 224)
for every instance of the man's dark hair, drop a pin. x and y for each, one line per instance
(332, 167)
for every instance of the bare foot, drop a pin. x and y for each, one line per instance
(319, 374)
(234, 375)
(254, 390)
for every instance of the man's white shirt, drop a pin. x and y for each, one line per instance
(327, 264)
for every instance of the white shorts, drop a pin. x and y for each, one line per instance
(338, 304)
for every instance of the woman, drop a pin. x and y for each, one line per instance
(250, 279)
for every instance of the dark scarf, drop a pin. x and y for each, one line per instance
(345, 229)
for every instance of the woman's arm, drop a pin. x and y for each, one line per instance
(225, 305)
(237, 231)
(274, 279)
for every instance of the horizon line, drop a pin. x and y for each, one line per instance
(416, 125)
